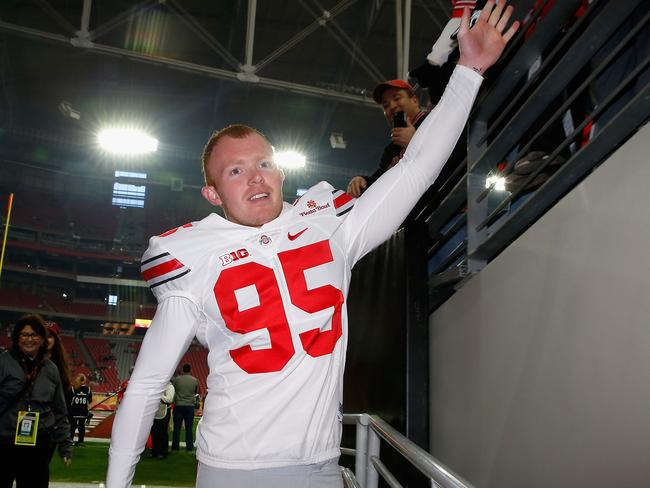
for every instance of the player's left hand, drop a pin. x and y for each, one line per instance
(482, 45)
(401, 136)
(67, 462)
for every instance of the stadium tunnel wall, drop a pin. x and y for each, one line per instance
(540, 364)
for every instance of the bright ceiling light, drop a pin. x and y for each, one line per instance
(499, 182)
(126, 141)
(290, 159)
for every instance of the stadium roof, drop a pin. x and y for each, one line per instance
(181, 69)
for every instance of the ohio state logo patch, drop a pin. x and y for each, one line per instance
(265, 240)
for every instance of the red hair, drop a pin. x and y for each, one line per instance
(236, 131)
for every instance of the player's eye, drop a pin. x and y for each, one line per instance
(266, 164)
(235, 171)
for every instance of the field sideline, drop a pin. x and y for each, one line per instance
(89, 465)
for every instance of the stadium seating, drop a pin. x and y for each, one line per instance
(60, 304)
(84, 217)
(102, 354)
(197, 356)
(76, 359)
(124, 358)
(94, 220)
(147, 312)
(47, 303)
(29, 212)
(19, 298)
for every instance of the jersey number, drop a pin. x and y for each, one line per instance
(270, 313)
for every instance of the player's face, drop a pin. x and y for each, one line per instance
(396, 100)
(247, 182)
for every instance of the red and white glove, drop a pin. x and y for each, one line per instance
(446, 42)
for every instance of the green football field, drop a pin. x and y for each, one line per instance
(89, 465)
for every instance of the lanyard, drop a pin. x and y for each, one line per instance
(31, 379)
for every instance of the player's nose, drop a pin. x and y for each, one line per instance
(255, 177)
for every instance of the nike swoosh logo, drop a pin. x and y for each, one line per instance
(295, 236)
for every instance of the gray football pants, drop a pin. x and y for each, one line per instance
(322, 475)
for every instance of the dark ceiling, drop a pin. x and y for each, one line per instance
(174, 68)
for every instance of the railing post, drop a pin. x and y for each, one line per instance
(372, 477)
(361, 457)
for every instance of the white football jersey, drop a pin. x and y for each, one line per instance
(271, 310)
(269, 304)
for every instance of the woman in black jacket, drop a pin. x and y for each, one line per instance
(30, 383)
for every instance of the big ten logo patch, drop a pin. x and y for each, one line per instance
(233, 256)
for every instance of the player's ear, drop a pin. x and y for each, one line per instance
(211, 195)
(282, 174)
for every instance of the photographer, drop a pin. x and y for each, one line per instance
(403, 113)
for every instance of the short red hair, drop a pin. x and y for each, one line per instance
(236, 131)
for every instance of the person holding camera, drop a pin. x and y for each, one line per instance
(404, 114)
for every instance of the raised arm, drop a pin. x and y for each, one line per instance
(385, 205)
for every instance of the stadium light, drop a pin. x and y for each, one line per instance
(290, 159)
(126, 141)
(499, 182)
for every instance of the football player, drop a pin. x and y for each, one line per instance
(264, 290)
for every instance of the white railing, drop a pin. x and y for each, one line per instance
(368, 466)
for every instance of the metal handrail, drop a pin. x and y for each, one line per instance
(385, 473)
(367, 464)
(349, 481)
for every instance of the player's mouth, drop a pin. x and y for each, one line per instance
(258, 197)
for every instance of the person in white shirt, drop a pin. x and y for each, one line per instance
(264, 289)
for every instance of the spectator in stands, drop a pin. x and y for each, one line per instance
(403, 113)
(32, 403)
(80, 399)
(123, 385)
(160, 427)
(402, 106)
(187, 387)
(99, 378)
